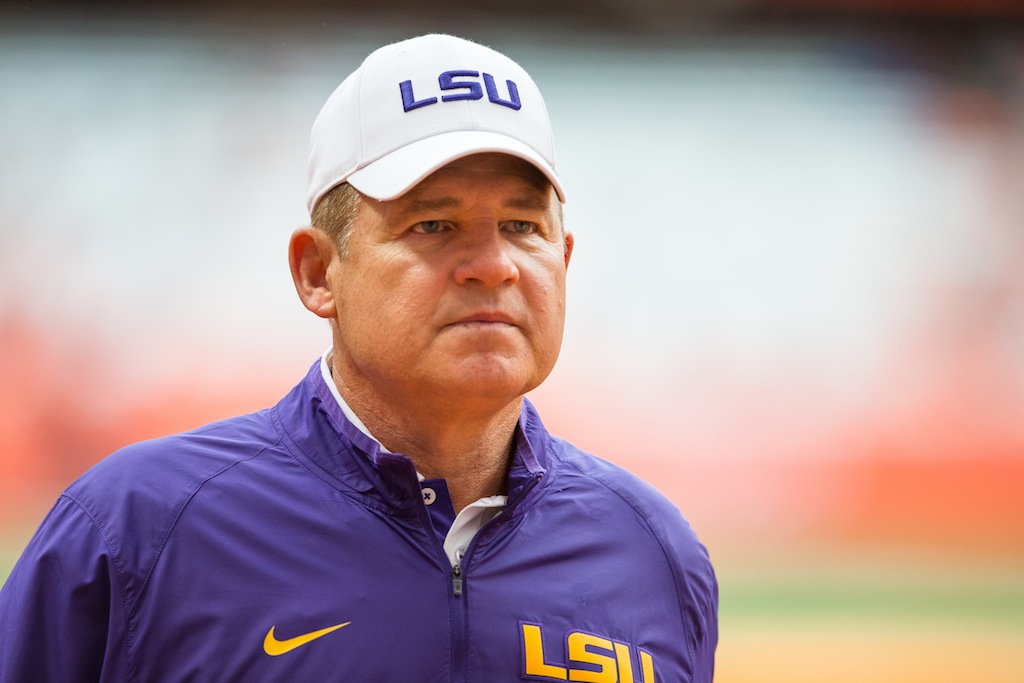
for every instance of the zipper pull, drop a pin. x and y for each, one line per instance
(457, 580)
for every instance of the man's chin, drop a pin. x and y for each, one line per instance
(490, 378)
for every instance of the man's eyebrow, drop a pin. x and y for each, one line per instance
(531, 202)
(418, 205)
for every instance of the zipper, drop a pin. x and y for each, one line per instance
(457, 611)
(457, 604)
(457, 580)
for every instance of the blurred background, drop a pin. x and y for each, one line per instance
(796, 302)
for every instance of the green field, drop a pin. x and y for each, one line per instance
(872, 624)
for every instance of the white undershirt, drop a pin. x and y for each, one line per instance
(468, 520)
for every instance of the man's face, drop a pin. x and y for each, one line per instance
(456, 289)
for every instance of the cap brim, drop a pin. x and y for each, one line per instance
(396, 173)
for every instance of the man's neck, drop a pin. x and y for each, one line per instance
(468, 446)
(474, 465)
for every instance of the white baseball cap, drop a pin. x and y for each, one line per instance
(416, 105)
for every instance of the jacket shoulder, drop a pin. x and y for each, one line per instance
(158, 471)
(685, 556)
(134, 496)
(653, 507)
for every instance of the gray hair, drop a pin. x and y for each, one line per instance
(335, 214)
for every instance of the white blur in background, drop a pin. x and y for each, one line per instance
(771, 210)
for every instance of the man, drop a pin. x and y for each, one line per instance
(401, 515)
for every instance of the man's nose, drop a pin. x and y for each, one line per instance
(486, 258)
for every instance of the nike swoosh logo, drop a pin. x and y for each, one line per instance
(274, 647)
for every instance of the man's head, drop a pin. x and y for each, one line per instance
(439, 262)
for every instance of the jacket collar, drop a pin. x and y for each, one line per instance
(318, 431)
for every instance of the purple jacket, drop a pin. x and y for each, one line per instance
(283, 546)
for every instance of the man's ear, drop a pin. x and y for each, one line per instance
(569, 242)
(310, 253)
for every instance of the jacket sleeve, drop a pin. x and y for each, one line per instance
(60, 609)
(704, 653)
(697, 588)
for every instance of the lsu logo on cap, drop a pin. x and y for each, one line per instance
(463, 85)
(588, 658)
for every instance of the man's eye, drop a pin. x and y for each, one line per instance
(521, 227)
(429, 227)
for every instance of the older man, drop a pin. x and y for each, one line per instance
(402, 514)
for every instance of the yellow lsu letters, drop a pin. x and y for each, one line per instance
(605, 661)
